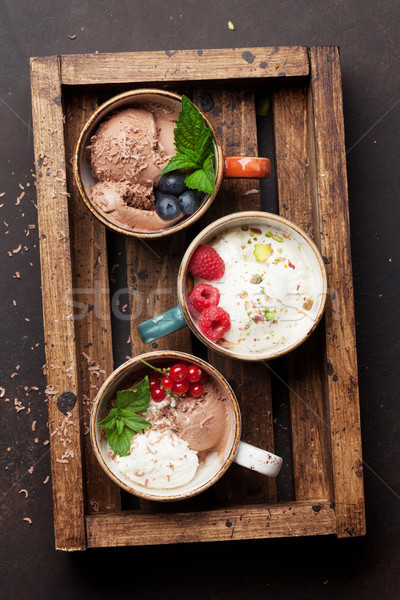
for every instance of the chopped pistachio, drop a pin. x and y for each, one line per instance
(277, 238)
(262, 252)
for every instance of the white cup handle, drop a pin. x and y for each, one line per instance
(262, 461)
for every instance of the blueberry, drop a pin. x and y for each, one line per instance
(172, 183)
(167, 206)
(189, 201)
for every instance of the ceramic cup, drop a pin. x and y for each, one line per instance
(213, 467)
(224, 167)
(180, 316)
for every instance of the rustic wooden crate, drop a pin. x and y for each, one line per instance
(321, 488)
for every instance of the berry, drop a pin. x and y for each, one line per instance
(167, 206)
(179, 388)
(189, 201)
(172, 183)
(167, 382)
(214, 322)
(178, 372)
(196, 390)
(157, 394)
(202, 296)
(154, 383)
(206, 263)
(194, 373)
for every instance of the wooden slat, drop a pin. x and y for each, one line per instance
(332, 217)
(182, 65)
(56, 269)
(93, 320)
(309, 425)
(250, 522)
(234, 117)
(152, 269)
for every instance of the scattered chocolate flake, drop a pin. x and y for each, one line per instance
(251, 192)
(2, 392)
(72, 37)
(34, 425)
(28, 520)
(31, 469)
(66, 402)
(46, 480)
(23, 491)
(2, 194)
(17, 275)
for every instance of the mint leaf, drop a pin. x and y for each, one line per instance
(123, 422)
(109, 421)
(189, 126)
(204, 145)
(202, 179)
(195, 149)
(180, 161)
(120, 443)
(132, 420)
(138, 399)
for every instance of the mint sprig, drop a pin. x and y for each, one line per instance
(195, 149)
(123, 422)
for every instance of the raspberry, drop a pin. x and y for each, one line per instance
(202, 296)
(206, 263)
(214, 322)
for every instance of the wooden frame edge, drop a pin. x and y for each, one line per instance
(59, 330)
(289, 519)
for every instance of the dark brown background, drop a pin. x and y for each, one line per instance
(299, 568)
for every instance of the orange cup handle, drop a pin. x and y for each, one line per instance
(255, 167)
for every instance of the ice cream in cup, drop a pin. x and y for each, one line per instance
(166, 426)
(149, 163)
(251, 285)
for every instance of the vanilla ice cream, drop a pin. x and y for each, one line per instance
(159, 459)
(267, 289)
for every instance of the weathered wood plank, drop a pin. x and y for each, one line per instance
(92, 317)
(332, 217)
(294, 154)
(56, 270)
(152, 269)
(129, 528)
(183, 65)
(234, 117)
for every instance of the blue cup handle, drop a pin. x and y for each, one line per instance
(155, 328)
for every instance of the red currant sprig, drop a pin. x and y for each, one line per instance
(177, 380)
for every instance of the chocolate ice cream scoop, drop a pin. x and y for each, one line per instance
(204, 422)
(127, 146)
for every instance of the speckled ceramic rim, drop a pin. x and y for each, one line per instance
(149, 356)
(252, 217)
(96, 118)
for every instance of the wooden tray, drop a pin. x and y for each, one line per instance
(305, 406)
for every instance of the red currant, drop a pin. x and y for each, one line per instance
(194, 373)
(157, 394)
(196, 390)
(167, 382)
(181, 387)
(153, 383)
(178, 372)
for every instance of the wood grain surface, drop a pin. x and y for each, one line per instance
(57, 284)
(127, 528)
(234, 117)
(92, 314)
(182, 65)
(333, 226)
(294, 159)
